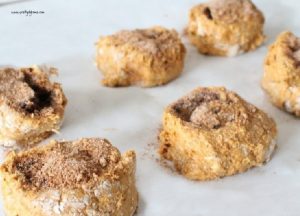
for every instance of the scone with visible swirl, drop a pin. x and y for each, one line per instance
(281, 78)
(31, 106)
(85, 177)
(213, 132)
(226, 27)
(143, 57)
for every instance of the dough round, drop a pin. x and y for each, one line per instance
(226, 27)
(86, 177)
(144, 57)
(213, 132)
(31, 106)
(281, 78)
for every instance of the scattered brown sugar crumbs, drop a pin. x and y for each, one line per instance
(149, 151)
(212, 110)
(229, 10)
(67, 164)
(24, 90)
(168, 165)
(154, 40)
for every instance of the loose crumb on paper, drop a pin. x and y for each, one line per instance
(150, 152)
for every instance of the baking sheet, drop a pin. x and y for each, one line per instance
(64, 35)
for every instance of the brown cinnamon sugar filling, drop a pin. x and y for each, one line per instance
(66, 164)
(25, 91)
(210, 109)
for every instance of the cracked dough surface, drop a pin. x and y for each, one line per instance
(281, 79)
(99, 180)
(225, 27)
(213, 132)
(143, 57)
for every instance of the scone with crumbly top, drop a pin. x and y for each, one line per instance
(226, 27)
(281, 78)
(31, 106)
(212, 133)
(143, 57)
(84, 177)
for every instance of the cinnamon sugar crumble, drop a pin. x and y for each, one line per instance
(185, 106)
(297, 55)
(66, 164)
(230, 10)
(153, 41)
(294, 48)
(25, 91)
(211, 110)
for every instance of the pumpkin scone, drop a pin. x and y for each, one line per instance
(84, 177)
(281, 78)
(226, 27)
(31, 106)
(213, 132)
(143, 57)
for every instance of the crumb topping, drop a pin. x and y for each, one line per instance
(66, 164)
(294, 47)
(212, 109)
(297, 55)
(213, 114)
(229, 11)
(153, 40)
(24, 90)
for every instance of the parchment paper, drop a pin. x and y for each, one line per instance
(64, 36)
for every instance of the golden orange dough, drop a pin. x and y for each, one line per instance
(143, 57)
(225, 27)
(213, 132)
(281, 78)
(87, 177)
(31, 106)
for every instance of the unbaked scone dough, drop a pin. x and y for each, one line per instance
(213, 132)
(88, 177)
(226, 27)
(31, 106)
(144, 57)
(281, 78)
